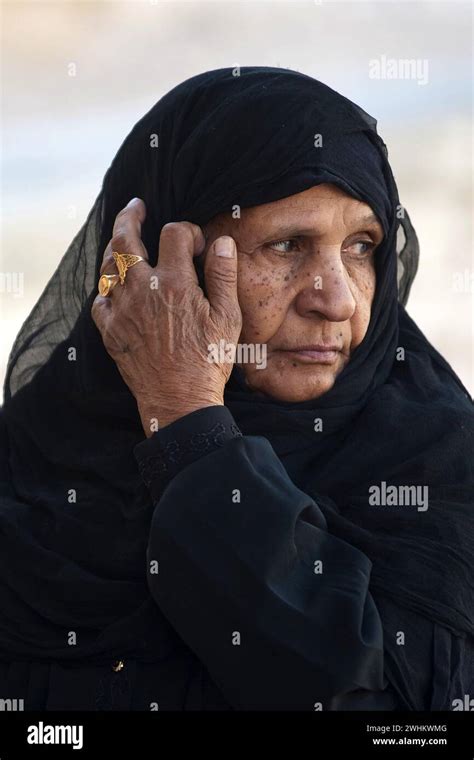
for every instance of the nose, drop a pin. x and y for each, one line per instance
(326, 292)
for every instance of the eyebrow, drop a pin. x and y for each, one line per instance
(295, 231)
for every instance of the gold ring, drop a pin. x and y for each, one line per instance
(107, 282)
(123, 262)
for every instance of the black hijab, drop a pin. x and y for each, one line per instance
(74, 521)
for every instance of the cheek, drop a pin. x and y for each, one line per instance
(363, 288)
(262, 301)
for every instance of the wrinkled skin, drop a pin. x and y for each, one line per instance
(300, 275)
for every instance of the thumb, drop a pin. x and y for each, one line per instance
(220, 271)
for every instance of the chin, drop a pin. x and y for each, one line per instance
(294, 385)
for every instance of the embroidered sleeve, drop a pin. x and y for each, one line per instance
(191, 437)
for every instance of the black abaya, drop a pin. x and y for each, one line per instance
(388, 621)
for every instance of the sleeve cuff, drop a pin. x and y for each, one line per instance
(162, 456)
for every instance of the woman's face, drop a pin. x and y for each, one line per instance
(306, 284)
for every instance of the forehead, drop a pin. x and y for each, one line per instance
(316, 211)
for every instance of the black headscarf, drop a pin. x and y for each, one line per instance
(74, 524)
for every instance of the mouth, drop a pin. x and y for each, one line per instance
(314, 354)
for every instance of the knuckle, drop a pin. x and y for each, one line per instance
(226, 276)
(179, 233)
(193, 229)
(120, 240)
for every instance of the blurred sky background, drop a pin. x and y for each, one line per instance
(60, 132)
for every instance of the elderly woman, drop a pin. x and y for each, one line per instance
(235, 473)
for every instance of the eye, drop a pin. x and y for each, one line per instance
(283, 246)
(360, 248)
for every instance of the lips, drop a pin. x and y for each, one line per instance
(314, 347)
(314, 353)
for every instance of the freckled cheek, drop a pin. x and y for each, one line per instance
(364, 294)
(262, 305)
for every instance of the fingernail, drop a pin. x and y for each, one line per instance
(132, 201)
(224, 246)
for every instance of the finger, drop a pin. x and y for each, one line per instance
(179, 243)
(126, 235)
(128, 223)
(220, 270)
